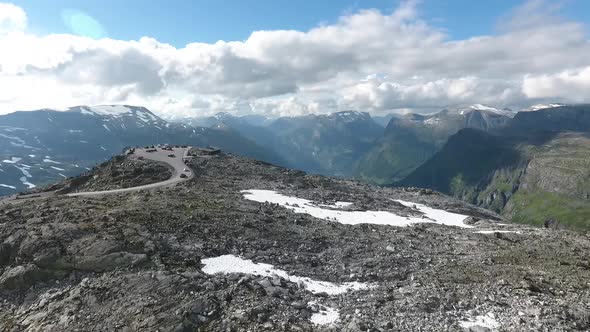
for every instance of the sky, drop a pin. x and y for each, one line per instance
(185, 58)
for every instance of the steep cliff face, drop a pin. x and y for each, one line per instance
(555, 183)
(528, 179)
(410, 140)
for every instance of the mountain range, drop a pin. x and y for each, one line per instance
(39, 147)
(535, 169)
(503, 160)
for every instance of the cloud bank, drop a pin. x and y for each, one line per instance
(368, 60)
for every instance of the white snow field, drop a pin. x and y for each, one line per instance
(233, 264)
(327, 316)
(487, 321)
(331, 212)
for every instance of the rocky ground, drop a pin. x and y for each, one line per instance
(133, 261)
(117, 173)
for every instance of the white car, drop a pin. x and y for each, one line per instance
(187, 170)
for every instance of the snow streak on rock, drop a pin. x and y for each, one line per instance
(484, 323)
(331, 212)
(326, 316)
(234, 264)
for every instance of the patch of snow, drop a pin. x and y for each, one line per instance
(27, 183)
(84, 111)
(14, 138)
(32, 155)
(337, 205)
(495, 231)
(481, 107)
(542, 107)
(485, 321)
(11, 129)
(23, 146)
(326, 316)
(300, 205)
(12, 160)
(342, 204)
(74, 131)
(65, 177)
(47, 160)
(439, 216)
(105, 127)
(111, 110)
(85, 142)
(234, 264)
(103, 148)
(434, 121)
(7, 186)
(57, 168)
(145, 117)
(24, 170)
(349, 116)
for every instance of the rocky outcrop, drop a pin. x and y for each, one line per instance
(135, 261)
(117, 173)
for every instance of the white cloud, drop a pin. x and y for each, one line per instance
(367, 60)
(569, 85)
(12, 18)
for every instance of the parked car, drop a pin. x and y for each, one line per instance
(187, 170)
(172, 155)
(183, 176)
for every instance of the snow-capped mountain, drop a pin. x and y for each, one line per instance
(37, 147)
(539, 107)
(327, 143)
(411, 139)
(505, 111)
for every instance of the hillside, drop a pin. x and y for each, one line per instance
(249, 246)
(528, 179)
(410, 140)
(40, 147)
(325, 144)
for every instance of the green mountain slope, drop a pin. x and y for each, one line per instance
(529, 179)
(411, 140)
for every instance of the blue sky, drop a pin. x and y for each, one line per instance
(179, 22)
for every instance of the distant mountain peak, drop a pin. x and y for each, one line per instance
(480, 107)
(118, 112)
(349, 116)
(222, 116)
(539, 107)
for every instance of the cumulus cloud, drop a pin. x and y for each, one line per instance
(368, 60)
(12, 18)
(570, 85)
